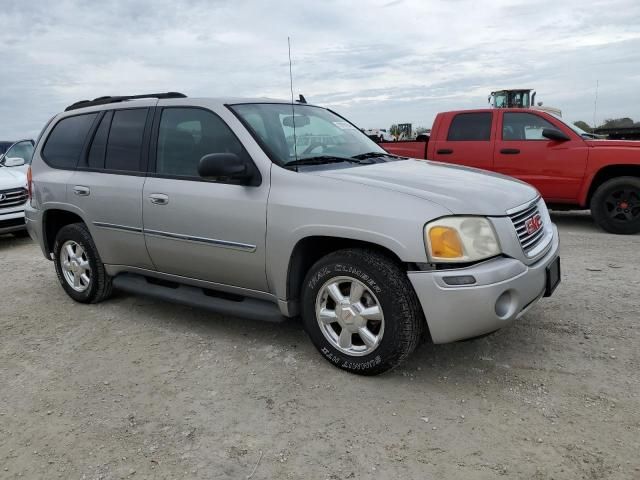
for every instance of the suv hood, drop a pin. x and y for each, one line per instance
(462, 190)
(12, 177)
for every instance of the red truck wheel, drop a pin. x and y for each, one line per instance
(615, 206)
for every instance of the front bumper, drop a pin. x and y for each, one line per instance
(505, 289)
(12, 220)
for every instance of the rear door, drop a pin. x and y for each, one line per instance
(465, 139)
(107, 185)
(207, 230)
(555, 168)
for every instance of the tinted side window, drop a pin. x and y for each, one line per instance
(65, 142)
(186, 135)
(523, 126)
(124, 146)
(470, 127)
(98, 148)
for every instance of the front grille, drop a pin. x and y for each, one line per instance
(13, 197)
(528, 241)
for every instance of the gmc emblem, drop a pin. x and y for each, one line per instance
(533, 224)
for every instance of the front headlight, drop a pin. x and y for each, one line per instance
(460, 239)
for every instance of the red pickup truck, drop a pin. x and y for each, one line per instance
(569, 170)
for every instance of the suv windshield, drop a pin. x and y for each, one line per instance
(319, 134)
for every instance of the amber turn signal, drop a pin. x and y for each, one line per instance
(445, 242)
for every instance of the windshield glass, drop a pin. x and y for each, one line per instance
(318, 132)
(573, 127)
(22, 150)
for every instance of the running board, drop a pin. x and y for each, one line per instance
(219, 302)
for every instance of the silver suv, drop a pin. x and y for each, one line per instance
(268, 209)
(14, 161)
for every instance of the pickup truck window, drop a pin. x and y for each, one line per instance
(470, 127)
(318, 132)
(523, 126)
(188, 134)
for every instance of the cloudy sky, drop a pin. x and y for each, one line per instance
(377, 62)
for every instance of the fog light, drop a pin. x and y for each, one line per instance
(460, 280)
(505, 305)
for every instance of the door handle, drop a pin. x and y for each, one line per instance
(444, 151)
(159, 198)
(81, 191)
(510, 151)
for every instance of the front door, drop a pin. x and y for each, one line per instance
(555, 168)
(207, 230)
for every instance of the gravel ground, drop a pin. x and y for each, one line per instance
(136, 388)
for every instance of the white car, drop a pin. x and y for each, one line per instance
(13, 187)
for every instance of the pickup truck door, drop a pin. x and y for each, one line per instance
(207, 230)
(464, 139)
(555, 168)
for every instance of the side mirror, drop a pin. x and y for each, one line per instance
(13, 161)
(223, 165)
(554, 134)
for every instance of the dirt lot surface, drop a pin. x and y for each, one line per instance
(136, 388)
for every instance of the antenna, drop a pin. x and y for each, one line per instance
(293, 110)
(595, 106)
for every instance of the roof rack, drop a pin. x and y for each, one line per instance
(108, 99)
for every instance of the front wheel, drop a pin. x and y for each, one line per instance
(360, 311)
(615, 205)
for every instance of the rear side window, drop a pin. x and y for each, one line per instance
(98, 148)
(470, 127)
(66, 140)
(124, 146)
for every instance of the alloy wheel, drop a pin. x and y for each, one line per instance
(75, 266)
(350, 316)
(623, 205)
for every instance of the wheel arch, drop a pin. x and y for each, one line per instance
(610, 172)
(310, 249)
(53, 220)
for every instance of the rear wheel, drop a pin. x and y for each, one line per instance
(615, 205)
(360, 311)
(80, 270)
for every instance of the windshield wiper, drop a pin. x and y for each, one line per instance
(363, 156)
(324, 159)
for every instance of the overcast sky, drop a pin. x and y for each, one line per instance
(377, 62)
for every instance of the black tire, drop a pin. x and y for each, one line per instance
(99, 287)
(608, 205)
(403, 318)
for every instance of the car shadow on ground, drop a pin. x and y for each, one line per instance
(428, 363)
(9, 240)
(575, 220)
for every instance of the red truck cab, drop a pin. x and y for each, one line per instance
(536, 147)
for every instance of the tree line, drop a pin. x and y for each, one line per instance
(609, 123)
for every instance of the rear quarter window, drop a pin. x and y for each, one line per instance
(470, 127)
(66, 141)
